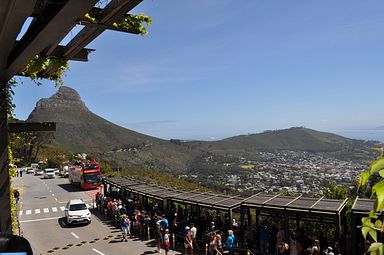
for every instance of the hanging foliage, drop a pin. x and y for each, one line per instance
(372, 225)
(41, 67)
(130, 22)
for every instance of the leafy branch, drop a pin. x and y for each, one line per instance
(37, 68)
(129, 23)
(372, 225)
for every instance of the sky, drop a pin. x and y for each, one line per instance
(214, 69)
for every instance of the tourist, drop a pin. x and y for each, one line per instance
(158, 237)
(188, 241)
(167, 244)
(263, 237)
(125, 225)
(231, 242)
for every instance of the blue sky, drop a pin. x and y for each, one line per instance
(218, 68)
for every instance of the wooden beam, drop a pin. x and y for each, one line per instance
(13, 14)
(20, 127)
(43, 34)
(115, 10)
(82, 55)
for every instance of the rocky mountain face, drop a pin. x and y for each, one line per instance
(78, 129)
(65, 98)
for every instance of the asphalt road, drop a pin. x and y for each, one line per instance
(41, 216)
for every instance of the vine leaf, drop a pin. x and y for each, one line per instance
(376, 248)
(363, 178)
(376, 166)
(378, 189)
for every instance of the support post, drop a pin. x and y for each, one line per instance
(5, 212)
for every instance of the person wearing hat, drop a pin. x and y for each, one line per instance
(188, 241)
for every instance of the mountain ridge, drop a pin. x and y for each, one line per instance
(80, 130)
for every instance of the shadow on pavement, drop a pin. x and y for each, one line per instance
(69, 187)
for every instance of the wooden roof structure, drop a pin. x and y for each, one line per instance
(203, 199)
(299, 204)
(51, 22)
(362, 206)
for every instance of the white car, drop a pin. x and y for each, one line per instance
(30, 170)
(39, 172)
(76, 211)
(49, 173)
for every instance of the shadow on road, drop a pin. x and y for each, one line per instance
(69, 187)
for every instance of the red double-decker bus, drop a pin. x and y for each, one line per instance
(86, 175)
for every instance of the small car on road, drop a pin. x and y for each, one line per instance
(30, 170)
(76, 211)
(39, 171)
(49, 173)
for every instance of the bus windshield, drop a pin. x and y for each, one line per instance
(91, 166)
(91, 178)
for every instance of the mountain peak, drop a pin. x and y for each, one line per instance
(65, 97)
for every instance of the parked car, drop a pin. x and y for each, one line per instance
(76, 211)
(49, 173)
(30, 170)
(56, 170)
(39, 171)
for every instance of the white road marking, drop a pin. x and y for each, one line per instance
(54, 209)
(46, 210)
(28, 212)
(20, 213)
(56, 199)
(37, 211)
(75, 235)
(93, 249)
(42, 219)
(53, 194)
(62, 208)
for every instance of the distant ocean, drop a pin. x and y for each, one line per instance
(377, 135)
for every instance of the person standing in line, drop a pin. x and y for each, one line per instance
(219, 245)
(21, 173)
(193, 234)
(231, 242)
(158, 237)
(125, 227)
(167, 243)
(188, 241)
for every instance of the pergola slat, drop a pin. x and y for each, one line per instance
(112, 12)
(48, 31)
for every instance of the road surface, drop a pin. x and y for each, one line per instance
(41, 216)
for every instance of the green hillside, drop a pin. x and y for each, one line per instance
(80, 130)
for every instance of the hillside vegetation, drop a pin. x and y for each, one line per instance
(80, 130)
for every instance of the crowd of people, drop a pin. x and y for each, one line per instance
(272, 240)
(179, 227)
